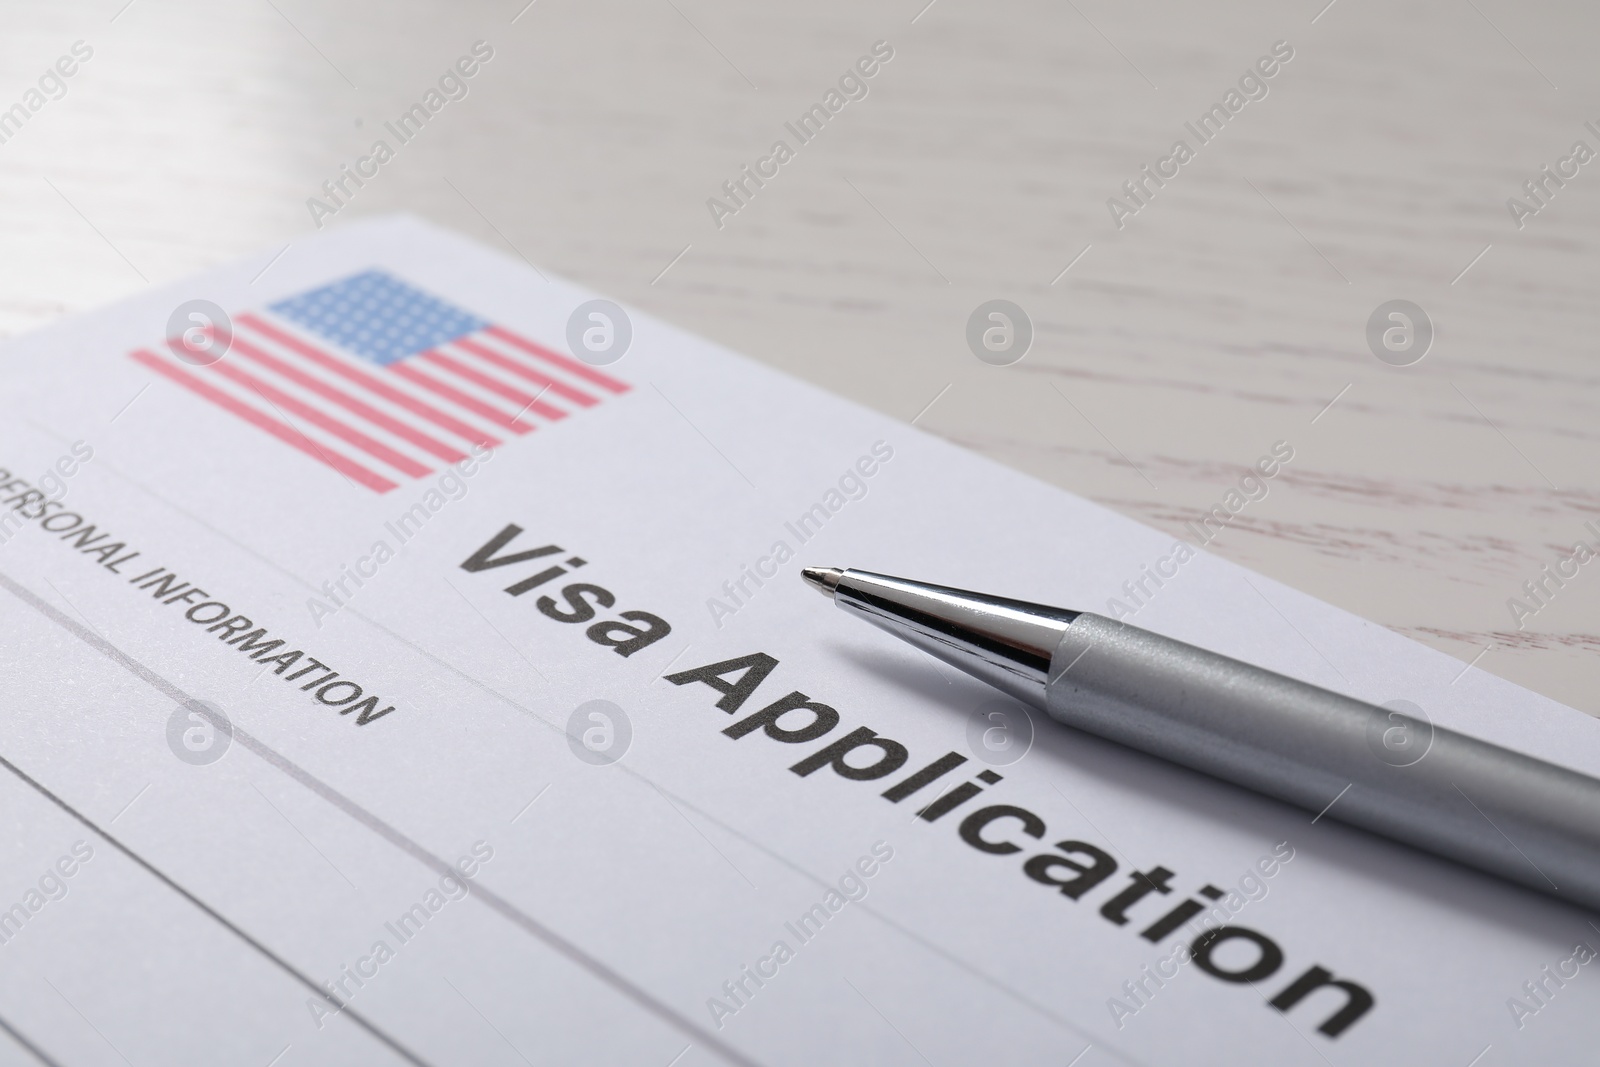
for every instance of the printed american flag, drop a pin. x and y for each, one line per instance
(382, 381)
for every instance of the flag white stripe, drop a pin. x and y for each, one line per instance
(304, 379)
(469, 426)
(308, 396)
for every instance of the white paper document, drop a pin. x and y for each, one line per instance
(383, 684)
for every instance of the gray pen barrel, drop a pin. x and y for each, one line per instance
(1514, 816)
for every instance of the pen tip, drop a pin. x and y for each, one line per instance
(824, 579)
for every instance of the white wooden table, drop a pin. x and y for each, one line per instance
(1227, 314)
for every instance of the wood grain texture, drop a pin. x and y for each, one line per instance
(1224, 316)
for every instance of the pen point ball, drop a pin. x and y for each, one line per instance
(824, 579)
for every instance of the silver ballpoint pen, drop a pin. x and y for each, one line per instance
(1522, 819)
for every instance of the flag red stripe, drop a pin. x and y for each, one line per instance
(472, 404)
(348, 402)
(571, 366)
(287, 434)
(499, 388)
(560, 389)
(378, 387)
(273, 395)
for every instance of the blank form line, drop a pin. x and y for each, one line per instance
(485, 896)
(304, 838)
(116, 843)
(73, 606)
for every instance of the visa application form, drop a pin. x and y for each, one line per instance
(382, 683)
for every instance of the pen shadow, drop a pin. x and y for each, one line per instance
(1433, 881)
